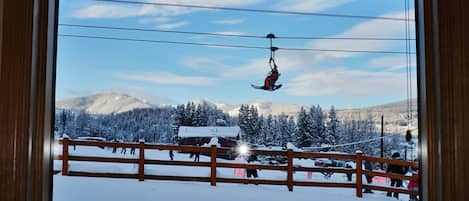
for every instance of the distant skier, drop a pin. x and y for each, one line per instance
(369, 179)
(197, 156)
(414, 185)
(123, 150)
(171, 154)
(252, 172)
(132, 150)
(349, 175)
(396, 169)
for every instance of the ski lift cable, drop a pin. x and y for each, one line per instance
(228, 34)
(407, 65)
(354, 143)
(254, 10)
(227, 45)
(410, 60)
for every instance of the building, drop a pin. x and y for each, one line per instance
(227, 136)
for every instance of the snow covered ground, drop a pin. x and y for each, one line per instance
(68, 188)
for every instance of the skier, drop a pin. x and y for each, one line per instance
(369, 179)
(252, 172)
(396, 169)
(414, 185)
(272, 77)
(349, 175)
(197, 156)
(171, 154)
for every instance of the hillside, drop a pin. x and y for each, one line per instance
(103, 103)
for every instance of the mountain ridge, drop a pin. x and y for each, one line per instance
(113, 102)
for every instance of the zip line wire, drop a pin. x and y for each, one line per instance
(227, 34)
(255, 10)
(227, 45)
(408, 64)
(354, 143)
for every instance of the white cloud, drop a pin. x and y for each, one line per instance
(309, 5)
(346, 82)
(300, 61)
(228, 21)
(230, 32)
(123, 11)
(172, 25)
(167, 78)
(391, 63)
(151, 20)
(108, 11)
(205, 64)
(252, 68)
(370, 28)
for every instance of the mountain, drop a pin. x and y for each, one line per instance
(103, 103)
(395, 113)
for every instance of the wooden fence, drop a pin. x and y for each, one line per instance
(213, 164)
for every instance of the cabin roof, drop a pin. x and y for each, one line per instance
(210, 131)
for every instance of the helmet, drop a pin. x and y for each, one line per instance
(396, 155)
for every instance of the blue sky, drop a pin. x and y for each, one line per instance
(168, 73)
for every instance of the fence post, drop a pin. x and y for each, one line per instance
(65, 143)
(141, 161)
(359, 178)
(290, 169)
(213, 165)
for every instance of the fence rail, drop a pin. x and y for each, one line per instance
(213, 164)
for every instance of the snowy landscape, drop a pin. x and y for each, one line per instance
(83, 188)
(128, 119)
(181, 76)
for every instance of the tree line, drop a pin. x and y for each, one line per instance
(312, 127)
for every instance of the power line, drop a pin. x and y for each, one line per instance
(255, 10)
(354, 143)
(162, 41)
(227, 34)
(228, 46)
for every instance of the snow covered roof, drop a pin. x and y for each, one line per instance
(92, 138)
(188, 131)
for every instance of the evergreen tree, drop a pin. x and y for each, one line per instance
(284, 132)
(332, 129)
(268, 131)
(305, 138)
(318, 130)
(291, 135)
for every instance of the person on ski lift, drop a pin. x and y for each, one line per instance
(272, 76)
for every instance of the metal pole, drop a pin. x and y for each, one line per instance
(382, 138)
(405, 153)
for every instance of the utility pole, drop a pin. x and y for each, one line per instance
(382, 138)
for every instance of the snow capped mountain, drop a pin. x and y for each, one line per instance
(103, 103)
(395, 114)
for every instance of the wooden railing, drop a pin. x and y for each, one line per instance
(212, 151)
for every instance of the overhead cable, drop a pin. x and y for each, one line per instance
(227, 34)
(256, 10)
(228, 45)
